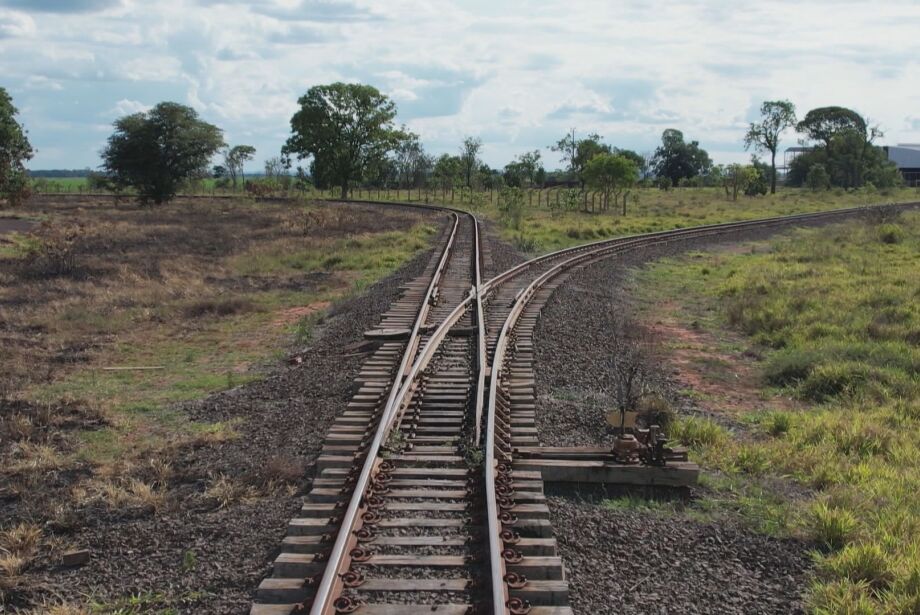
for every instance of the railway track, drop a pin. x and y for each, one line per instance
(419, 506)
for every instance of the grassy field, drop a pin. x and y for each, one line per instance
(826, 445)
(158, 306)
(543, 228)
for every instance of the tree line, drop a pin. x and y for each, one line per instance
(345, 135)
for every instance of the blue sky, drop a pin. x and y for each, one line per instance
(517, 74)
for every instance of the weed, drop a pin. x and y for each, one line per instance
(860, 563)
(226, 491)
(698, 432)
(831, 527)
(189, 560)
(778, 423)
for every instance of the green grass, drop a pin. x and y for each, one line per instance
(542, 229)
(836, 314)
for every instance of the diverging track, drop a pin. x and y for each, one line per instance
(417, 506)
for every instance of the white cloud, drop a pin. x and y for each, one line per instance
(15, 25)
(127, 107)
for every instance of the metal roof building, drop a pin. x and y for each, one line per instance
(906, 156)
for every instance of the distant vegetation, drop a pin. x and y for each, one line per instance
(348, 137)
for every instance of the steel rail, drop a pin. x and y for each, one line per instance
(331, 583)
(403, 385)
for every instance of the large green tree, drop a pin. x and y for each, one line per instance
(15, 150)
(347, 128)
(775, 117)
(157, 151)
(823, 123)
(675, 159)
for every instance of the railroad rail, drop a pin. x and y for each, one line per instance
(420, 504)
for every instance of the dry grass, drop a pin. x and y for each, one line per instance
(226, 491)
(119, 494)
(28, 457)
(59, 608)
(18, 547)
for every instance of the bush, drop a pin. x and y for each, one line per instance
(655, 410)
(54, 251)
(827, 381)
(890, 233)
(788, 367)
(778, 423)
(841, 598)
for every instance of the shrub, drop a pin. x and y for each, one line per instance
(830, 380)
(751, 459)
(788, 367)
(817, 178)
(655, 410)
(890, 233)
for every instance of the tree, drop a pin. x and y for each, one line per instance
(823, 123)
(448, 171)
(676, 159)
(15, 150)
(611, 174)
(158, 151)
(817, 178)
(775, 117)
(577, 153)
(511, 206)
(736, 178)
(345, 128)
(234, 159)
(526, 170)
(469, 158)
(412, 164)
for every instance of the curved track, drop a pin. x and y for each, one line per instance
(418, 508)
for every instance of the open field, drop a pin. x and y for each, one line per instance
(112, 315)
(804, 352)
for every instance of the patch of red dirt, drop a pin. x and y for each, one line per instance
(726, 381)
(291, 315)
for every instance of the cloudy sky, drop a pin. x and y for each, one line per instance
(517, 74)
